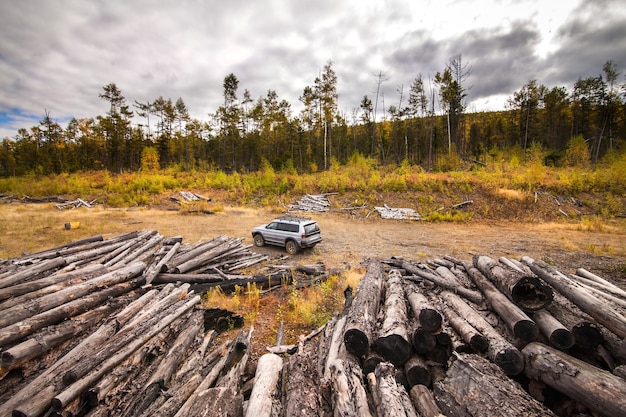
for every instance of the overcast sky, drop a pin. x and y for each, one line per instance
(57, 55)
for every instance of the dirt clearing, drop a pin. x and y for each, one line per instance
(600, 248)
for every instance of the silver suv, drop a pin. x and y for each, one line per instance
(292, 233)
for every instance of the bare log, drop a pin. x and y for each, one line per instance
(361, 317)
(517, 321)
(47, 302)
(454, 286)
(152, 272)
(423, 341)
(475, 387)
(608, 317)
(21, 329)
(205, 257)
(428, 317)
(74, 390)
(72, 277)
(424, 401)
(392, 340)
(558, 335)
(601, 281)
(32, 272)
(600, 391)
(468, 333)
(54, 335)
(349, 395)
(197, 250)
(417, 372)
(34, 398)
(264, 399)
(526, 291)
(394, 400)
(500, 351)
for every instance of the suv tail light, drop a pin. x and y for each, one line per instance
(303, 235)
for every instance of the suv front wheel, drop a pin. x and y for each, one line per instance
(291, 247)
(258, 240)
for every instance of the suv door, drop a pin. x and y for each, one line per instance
(272, 234)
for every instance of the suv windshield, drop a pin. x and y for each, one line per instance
(310, 229)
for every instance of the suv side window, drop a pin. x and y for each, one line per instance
(311, 228)
(288, 227)
(272, 226)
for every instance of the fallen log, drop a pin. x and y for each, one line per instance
(394, 400)
(417, 372)
(77, 388)
(423, 341)
(54, 335)
(264, 399)
(475, 387)
(600, 391)
(17, 331)
(361, 317)
(348, 394)
(47, 302)
(197, 250)
(454, 286)
(428, 317)
(500, 351)
(424, 401)
(526, 291)
(206, 256)
(392, 341)
(608, 317)
(601, 282)
(558, 335)
(22, 293)
(34, 398)
(152, 272)
(468, 333)
(516, 320)
(32, 272)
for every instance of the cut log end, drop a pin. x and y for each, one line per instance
(530, 294)
(511, 361)
(526, 330)
(394, 348)
(356, 342)
(479, 343)
(562, 339)
(430, 319)
(587, 335)
(423, 342)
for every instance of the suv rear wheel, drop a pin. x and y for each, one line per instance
(258, 240)
(291, 247)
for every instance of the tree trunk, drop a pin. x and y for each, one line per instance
(348, 393)
(34, 398)
(475, 387)
(500, 351)
(608, 317)
(199, 249)
(600, 391)
(392, 340)
(152, 272)
(517, 321)
(526, 291)
(109, 362)
(55, 335)
(361, 318)
(557, 334)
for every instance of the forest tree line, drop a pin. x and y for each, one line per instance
(425, 128)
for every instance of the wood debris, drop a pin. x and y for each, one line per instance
(387, 212)
(79, 202)
(188, 196)
(312, 203)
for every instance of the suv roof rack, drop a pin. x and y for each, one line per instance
(294, 218)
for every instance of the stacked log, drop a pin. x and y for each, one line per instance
(82, 334)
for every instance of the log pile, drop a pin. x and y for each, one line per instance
(454, 338)
(312, 203)
(102, 327)
(98, 327)
(397, 213)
